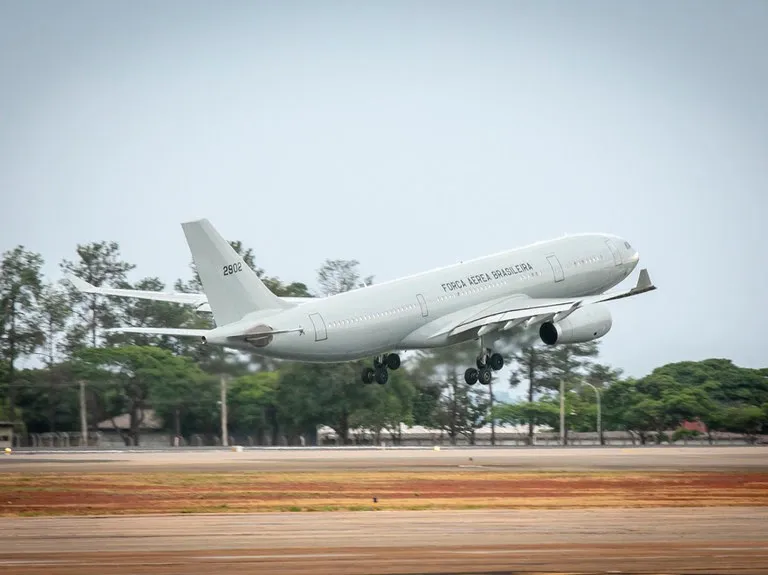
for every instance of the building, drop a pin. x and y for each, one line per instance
(6, 434)
(113, 431)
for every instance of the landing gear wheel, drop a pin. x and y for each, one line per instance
(392, 361)
(480, 363)
(381, 375)
(377, 363)
(484, 376)
(496, 361)
(367, 375)
(470, 376)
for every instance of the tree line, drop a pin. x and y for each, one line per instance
(276, 401)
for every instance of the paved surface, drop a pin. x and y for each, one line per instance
(584, 459)
(683, 540)
(714, 540)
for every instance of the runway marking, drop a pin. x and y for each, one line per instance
(176, 561)
(285, 556)
(736, 548)
(34, 562)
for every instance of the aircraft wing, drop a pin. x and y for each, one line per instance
(516, 311)
(177, 332)
(199, 300)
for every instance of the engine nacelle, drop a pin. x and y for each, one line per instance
(585, 324)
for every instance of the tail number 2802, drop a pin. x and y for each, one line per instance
(233, 268)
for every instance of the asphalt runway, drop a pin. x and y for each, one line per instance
(736, 458)
(700, 540)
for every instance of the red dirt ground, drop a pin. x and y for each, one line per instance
(124, 493)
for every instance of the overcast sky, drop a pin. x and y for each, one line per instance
(407, 135)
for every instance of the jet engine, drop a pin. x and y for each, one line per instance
(585, 324)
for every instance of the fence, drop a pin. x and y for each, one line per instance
(325, 437)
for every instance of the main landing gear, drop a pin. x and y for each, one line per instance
(380, 370)
(487, 363)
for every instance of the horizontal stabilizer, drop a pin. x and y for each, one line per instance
(176, 332)
(266, 334)
(199, 300)
(174, 297)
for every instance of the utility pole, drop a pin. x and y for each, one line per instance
(599, 413)
(562, 412)
(223, 401)
(493, 419)
(83, 417)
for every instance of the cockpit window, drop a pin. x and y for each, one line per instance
(626, 245)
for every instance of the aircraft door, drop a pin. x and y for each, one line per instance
(422, 305)
(615, 252)
(557, 269)
(318, 323)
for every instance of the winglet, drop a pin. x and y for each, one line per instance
(644, 281)
(644, 284)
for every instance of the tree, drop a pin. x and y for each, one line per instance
(20, 291)
(99, 264)
(322, 394)
(253, 408)
(47, 398)
(337, 276)
(530, 364)
(746, 419)
(545, 412)
(390, 406)
(566, 366)
(54, 313)
(460, 409)
(734, 385)
(128, 377)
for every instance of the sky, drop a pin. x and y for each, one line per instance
(406, 135)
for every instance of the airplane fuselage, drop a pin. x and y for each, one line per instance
(405, 313)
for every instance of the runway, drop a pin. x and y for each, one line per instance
(677, 526)
(740, 458)
(724, 540)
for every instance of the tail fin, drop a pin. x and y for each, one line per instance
(233, 289)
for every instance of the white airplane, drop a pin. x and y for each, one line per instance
(557, 286)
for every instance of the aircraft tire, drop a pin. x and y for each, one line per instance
(496, 361)
(393, 361)
(381, 375)
(470, 376)
(367, 375)
(484, 375)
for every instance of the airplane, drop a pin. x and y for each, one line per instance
(557, 286)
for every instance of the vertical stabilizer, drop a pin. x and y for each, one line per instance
(233, 289)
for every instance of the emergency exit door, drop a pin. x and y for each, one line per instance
(318, 323)
(557, 269)
(422, 305)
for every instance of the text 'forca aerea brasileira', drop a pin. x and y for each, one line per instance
(485, 277)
